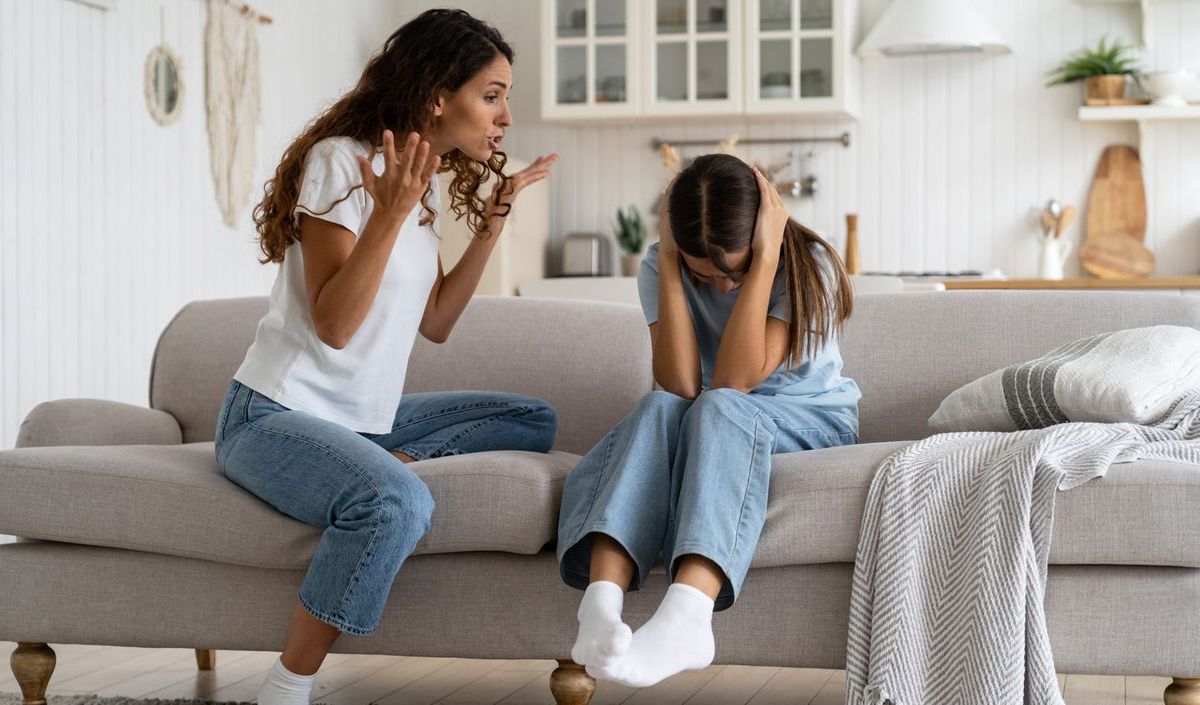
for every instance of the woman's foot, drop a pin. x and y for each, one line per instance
(282, 687)
(603, 637)
(677, 638)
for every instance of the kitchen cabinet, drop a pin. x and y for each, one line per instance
(589, 59)
(678, 58)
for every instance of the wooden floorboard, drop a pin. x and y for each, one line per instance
(401, 680)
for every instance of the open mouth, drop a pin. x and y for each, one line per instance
(495, 141)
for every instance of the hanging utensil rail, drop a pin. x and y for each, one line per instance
(656, 143)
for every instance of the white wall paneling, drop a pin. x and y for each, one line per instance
(949, 156)
(108, 222)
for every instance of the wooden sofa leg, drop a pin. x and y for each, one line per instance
(571, 684)
(32, 664)
(206, 659)
(1183, 691)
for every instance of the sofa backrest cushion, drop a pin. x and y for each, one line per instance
(909, 351)
(590, 361)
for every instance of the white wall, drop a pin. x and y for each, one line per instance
(108, 222)
(949, 154)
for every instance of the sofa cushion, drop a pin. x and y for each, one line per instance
(1141, 513)
(174, 500)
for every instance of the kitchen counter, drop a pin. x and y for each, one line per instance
(1180, 283)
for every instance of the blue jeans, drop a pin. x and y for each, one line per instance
(679, 477)
(372, 507)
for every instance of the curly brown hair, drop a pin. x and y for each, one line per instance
(439, 50)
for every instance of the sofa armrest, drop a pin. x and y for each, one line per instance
(96, 422)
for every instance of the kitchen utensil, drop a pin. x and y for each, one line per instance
(853, 265)
(1064, 220)
(1117, 202)
(1048, 222)
(1054, 208)
(1116, 256)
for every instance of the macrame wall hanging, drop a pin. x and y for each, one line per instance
(232, 101)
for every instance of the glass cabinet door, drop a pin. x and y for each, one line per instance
(694, 53)
(590, 58)
(792, 44)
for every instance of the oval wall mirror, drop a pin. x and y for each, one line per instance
(164, 85)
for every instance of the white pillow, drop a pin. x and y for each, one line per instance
(1130, 375)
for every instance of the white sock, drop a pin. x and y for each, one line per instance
(677, 638)
(282, 687)
(602, 635)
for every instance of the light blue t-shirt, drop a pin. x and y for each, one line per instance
(818, 380)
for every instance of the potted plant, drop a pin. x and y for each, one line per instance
(631, 236)
(1103, 69)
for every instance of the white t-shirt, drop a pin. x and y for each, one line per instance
(360, 385)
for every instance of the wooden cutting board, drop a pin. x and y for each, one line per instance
(1116, 257)
(1117, 203)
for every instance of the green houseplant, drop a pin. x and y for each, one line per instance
(631, 237)
(1103, 69)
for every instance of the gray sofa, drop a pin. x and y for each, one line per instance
(136, 539)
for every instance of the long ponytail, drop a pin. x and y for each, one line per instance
(820, 298)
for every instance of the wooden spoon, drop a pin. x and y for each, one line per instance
(1064, 220)
(1116, 256)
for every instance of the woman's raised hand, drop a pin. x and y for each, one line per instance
(771, 221)
(500, 203)
(406, 175)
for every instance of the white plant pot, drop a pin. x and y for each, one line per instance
(630, 264)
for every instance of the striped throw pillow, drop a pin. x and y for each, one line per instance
(1129, 375)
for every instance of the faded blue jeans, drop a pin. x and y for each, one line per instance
(372, 506)
(679, 477)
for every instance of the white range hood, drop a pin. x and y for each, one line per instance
(914, 27)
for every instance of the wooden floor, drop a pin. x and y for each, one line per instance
(399, 680)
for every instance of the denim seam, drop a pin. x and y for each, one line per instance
(339, 623)
(246, 406)
(440, 450)
(612, 440)
(320, 446)
(456, 409)
(737, 532)
(698, 549)
(362, 560)
(604, 528)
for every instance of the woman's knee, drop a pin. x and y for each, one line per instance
(721, 407)
(544, 420)
(403, 504)
(660, 402)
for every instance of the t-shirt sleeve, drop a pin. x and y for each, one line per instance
(330, 173)
(647, 282)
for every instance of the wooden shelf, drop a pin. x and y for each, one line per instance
(1184, 282)
(1138, 112)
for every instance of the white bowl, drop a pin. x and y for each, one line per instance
(1166, 88)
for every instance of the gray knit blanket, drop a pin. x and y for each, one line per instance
(950, 573)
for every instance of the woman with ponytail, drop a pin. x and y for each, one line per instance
(315, 423)
(744, 306)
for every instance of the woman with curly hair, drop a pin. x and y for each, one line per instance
(314, 422)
